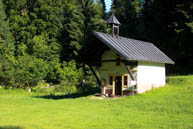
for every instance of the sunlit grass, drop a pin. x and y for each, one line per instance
(170, 107)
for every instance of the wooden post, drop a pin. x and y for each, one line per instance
(130, 73)
(113, 92)
(98, 80)
(122, 85)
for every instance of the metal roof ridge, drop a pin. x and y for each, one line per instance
(119, 37)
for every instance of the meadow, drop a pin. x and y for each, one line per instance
(169, 107)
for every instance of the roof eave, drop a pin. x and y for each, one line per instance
(171, 62)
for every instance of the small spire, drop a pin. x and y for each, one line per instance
(114, 23)
(113, 20)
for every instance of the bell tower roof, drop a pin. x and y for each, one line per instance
(113, 20)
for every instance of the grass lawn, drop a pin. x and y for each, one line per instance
(170, 107)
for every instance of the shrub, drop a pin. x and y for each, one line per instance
(43, 87)
(66, 71)
(66, 88)
(23, 72)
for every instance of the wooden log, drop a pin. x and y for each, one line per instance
(98, 80)
(130, 73)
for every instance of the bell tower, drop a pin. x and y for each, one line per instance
(114, 24)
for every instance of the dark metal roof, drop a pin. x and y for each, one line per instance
(113, 20)
(132, 49)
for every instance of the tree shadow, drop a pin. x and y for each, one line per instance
(10, 127)
(68, 96)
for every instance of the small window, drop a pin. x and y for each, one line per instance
(125, 80)
(111, 80)
(118, 61)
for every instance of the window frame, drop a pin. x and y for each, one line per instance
(127, 76)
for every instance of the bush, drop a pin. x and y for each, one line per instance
(23, 72)
(43, 87)
(66, 71)
(66, 88)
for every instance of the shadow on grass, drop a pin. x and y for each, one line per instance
(68, 96)
(10, 127)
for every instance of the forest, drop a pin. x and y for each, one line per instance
(41, 40)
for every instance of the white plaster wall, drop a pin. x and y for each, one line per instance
(149, 76)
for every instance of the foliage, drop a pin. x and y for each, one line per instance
(72, 31)
(162, 108)
(82, 17)
(104, 8)
(65, 72)
(70, 73)
(129, 15)
(6, 39)
(91, 13)
(67, 77)
(6, 46)
(168, 24)
(46, 34)
(39, 39)
(65, 88)
(25, 71)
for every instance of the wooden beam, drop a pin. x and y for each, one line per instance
(130, 63)
(130, 73)
(99, 62)
(98, 80)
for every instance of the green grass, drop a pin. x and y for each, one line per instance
(170, 107)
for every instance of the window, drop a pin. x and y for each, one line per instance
(111, 80)
(118, 61)
(125, 80)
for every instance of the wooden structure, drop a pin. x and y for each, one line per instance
(125, 65)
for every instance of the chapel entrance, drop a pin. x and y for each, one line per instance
(118, 85)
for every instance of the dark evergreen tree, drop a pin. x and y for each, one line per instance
(129, 14)
(168, 23)
(34, 20)
(104, 5)
(45, 34)
(72, 30)
(6, 48)
(6, 39)
(81, 18)
(91, 17)
(104, 8)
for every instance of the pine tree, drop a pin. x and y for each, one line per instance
(91, 16)
(72, 31)
(129, 15)
(6, 48)
(6, 39)
(32, 19)
(49, 32)
(36, 27)
(81, 18)
(104, 5)
(168, 24)
(104, 8)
